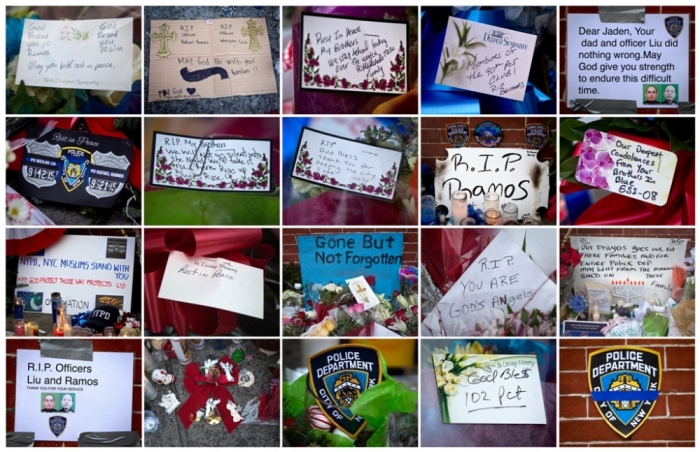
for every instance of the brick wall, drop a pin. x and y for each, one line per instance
(660, 233)
(290, 252)
(672, 421)
(565, 10)
(433, 139)
(99, 345)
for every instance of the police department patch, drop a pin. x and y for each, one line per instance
(674, 25)
(536, 135)
(457, 134)
(338, 376)
(625, 382)
(57, 424)
(74, 165)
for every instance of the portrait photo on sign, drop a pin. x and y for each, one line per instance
(488, 171)
(627, 171)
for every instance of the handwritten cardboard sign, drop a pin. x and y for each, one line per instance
(350, 54)
(486, 59)
(489, 389)
(192, 59)
(622, 60)
(515, 174)
(347, 165)
(86, 270)
(85, 54)
(501, 276)
(607, 259)
(626, 167)
(218, 164)
(214, 282)
(326, 258)
(74, 167)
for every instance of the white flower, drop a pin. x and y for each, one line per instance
(9, 155)
(438, 358)
(440, 381)
(450, 389)
(447, 366)
(330, 287)
(450, 377)
(402, 301)
(399, 326)
(18, 211)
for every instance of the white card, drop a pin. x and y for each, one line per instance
(86, 54)
(486, 59)
(501, 276)
(347, 165)
(214, 282)
(623, 166)
(350, 54)
(620, 61)
(363, 292)
(489, 389)
(512, 173)
(217, 164)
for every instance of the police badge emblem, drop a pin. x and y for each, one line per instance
(338, 376)
(674, 25)
(74, 166)
(457, 134)
(536, 135)
(625, 382)
(488, 134)
(57, 425)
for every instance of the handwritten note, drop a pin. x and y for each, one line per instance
(607, 259)
(220, 164)
(349, 54)
(515, 174)
(85, 54)
(192, 59)
(347, 165)
(489, 389)
(486, 59)
(214, 282)
(626, 167)
(501, 276)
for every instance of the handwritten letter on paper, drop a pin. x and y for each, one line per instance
(347, 165)
(486, 59)
(626, 167)
(347, 54)
(210, 58)
(221, 164)
(214, 282)
(85, 54)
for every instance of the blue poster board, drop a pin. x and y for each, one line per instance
(337, 257)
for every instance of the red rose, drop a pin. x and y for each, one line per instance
(414, 309)
(401, 315)
(371, 280)
(389, 322)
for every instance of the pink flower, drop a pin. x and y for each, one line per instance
(604, 160)
(222, 184)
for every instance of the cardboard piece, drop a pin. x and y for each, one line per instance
(346, 165)
(215, 164)
(81, 54)
(45, 385)
(192, 59)
(351, 54)
(88, 271)
(508, 172)
(489, 389)
(501, 276)
(214, 282)
(626, 167)
(74, 167)
(486, 59)
(621, 60)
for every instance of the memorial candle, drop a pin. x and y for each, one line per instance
(459, 207)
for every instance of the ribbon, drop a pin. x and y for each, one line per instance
(609, 396)
(224, 243)
(202, 388)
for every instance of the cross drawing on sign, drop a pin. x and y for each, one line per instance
(253, 31)
(164, 36)
(361, 292)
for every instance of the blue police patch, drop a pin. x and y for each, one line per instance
(674, 25)
(75, 164)
(57, 424)
(457, 134)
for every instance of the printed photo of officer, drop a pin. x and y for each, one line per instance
(67, 403)
(651, 92)
(48, 402)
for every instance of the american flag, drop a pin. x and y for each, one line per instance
(32, 300)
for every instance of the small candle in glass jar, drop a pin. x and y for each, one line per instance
(58, 329)
(491, 201)
(19, 327)
(492, 217)
(31, 329)
(459, 207)
(509, 212)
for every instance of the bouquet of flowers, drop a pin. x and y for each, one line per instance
(399, 313)
(569, 259)
(525, 322)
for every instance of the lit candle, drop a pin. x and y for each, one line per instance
(492, 217)
(19, 327)
(58, 329)
(31, 329)
(459, 207)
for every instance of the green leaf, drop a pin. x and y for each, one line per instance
(568, 168)
(566, 149)
(21, 102)
(378, 402)
(295, 400)
(524, 316)
(192, 207)
(510, 310)
(566, 132)
(676, 144)
(334, 440)
(626, 123)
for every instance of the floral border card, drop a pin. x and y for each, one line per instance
(489, 389)
(348, 165)
(363, 293)
(624, 166)
(216, 164)
(350, 54)
(486, 59)
(81, 54)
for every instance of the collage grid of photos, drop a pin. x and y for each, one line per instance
(350, 226)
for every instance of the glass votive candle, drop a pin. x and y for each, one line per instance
(492, 217)
(509, 212)
(491, 201)
(68, 325)
(441, 214)
(58, 329)
(31, 329)
(19, 327)
(459, 206)
(531, 221)
(109, 331)
(468, 221)
(427, 209)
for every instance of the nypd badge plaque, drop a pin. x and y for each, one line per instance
(457, 134)
(74, 167)
(57, 424)
(625, 383)
(338, 376)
